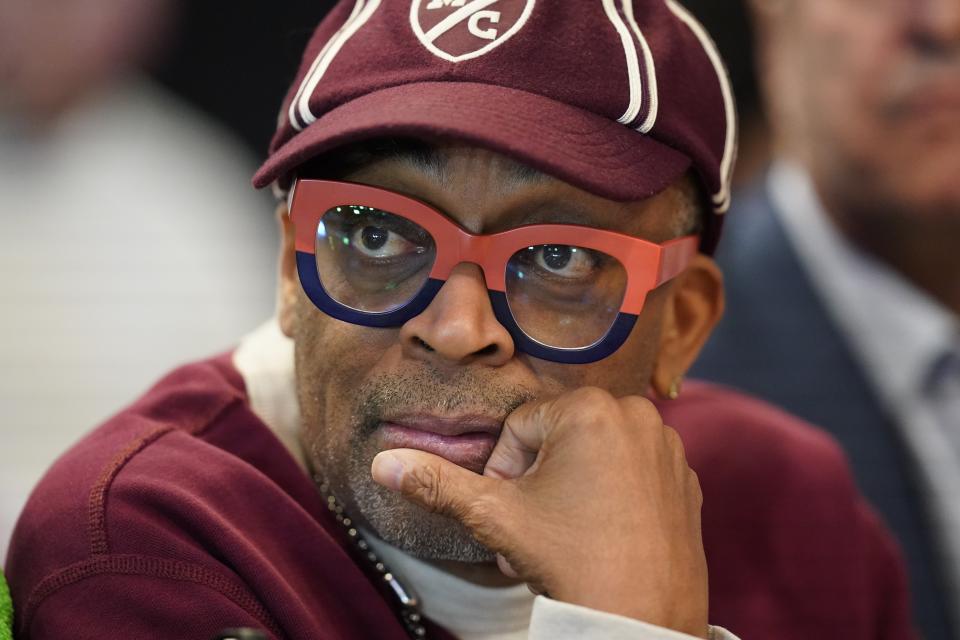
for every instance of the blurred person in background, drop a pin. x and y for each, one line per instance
(843, 261)
(130, 238)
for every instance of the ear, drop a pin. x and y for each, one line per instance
(693, 308)
(288, 282)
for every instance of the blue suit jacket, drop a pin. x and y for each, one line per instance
(778, 342)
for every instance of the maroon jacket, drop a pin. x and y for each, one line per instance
(184, 515)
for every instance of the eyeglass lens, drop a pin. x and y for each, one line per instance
(371, 260)
(564, 296)
(560, 295)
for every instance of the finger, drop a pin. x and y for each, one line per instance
(505, 567)
(441, 486)
(693, 481)
(530, 425)
(522, 436)
(537, 590)
(510, 457)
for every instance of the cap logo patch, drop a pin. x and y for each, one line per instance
(458, 30)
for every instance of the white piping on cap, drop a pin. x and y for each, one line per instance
(652, 90)
(292, 111)
(633, 63)
(721, 200)
(305, 114)
(301, 104)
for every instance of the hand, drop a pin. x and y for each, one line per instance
(586, 497)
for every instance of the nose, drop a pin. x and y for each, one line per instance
(459, 326)
(937, 25)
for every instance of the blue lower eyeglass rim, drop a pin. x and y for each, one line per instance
(310, 281)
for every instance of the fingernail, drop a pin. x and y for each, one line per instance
(387, 469)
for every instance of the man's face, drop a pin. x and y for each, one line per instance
(453, 364)
(873, 89)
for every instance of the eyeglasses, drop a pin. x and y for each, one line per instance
(565, 293)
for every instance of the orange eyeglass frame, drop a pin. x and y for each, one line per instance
(647, 264)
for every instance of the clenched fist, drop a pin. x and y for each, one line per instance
(587, 498)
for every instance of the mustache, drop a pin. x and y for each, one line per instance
(432, 391)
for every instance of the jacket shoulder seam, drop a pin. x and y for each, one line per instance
(97, 501)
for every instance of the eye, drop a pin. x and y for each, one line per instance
(564, 261)
(379, 242)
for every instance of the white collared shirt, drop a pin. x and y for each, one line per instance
(897, 332)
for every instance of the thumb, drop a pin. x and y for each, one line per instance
(441, 486)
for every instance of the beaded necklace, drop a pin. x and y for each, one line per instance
(408, 609)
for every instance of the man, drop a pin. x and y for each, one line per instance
(489, 257)
(842, 264)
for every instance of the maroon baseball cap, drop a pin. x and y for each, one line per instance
(617, 97)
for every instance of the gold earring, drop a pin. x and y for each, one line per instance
(674, 391)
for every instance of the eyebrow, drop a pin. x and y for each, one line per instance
(433, 162)
(559, 213)
(417, 154)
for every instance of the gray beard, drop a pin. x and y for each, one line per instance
(402, 524)
(425, 535)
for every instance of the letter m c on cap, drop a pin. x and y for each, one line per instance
(440, 4)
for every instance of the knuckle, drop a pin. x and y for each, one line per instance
(677, 451)
(592, 396)
(675, 447)
(640, 409)
(592, 405)
(675, 442)
(695, 488)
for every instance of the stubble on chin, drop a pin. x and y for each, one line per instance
(342, 446)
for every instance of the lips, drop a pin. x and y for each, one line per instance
(465, 440)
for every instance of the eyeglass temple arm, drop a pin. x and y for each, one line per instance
(675, 255)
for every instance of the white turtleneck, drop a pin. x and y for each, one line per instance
(478, 613)
(467, 610)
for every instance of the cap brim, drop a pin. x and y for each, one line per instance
(575, 145)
